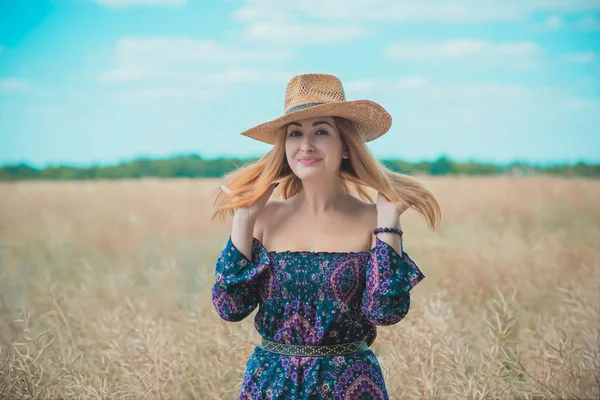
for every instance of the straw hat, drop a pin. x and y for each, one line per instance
(321, 95)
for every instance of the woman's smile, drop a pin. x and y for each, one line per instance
(308, 160)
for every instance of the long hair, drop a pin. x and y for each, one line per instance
(359, 172)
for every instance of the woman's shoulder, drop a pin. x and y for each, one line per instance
(368, 219)
(367, 211)
(274, 207)
(270, 213)
(274, 211)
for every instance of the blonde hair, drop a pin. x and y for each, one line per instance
(358, 171)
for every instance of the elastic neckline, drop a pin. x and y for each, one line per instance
(319, 252)
(308, 252)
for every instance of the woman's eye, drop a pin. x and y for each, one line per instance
(320, 132)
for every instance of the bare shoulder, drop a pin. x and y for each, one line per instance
(366, 213)
(270, 213)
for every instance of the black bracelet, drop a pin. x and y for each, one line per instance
(388, 230)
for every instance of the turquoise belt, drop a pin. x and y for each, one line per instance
(313, 351)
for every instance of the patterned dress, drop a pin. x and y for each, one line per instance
(314, 298)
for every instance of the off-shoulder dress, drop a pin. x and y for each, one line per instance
(314, 298)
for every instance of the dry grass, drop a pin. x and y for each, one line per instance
(105, 293)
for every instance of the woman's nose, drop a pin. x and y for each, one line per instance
(307, 143)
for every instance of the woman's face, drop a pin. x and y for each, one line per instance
(313, 147)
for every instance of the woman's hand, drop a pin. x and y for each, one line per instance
(252, 211)
(389, 212)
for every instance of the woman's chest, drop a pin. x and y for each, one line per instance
(315, 276)
(316, 237)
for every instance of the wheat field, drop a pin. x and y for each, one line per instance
(105, 293)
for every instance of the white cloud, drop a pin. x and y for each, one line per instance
(487, 91)
(581, 104)
(279, 23)
(412, 82)
(434, 91)
(420, 51)
(173, 50)
(475, 51)
(262, 12)
(13, 85)
(363, 85)
(170, 93)
(489, 119)
(556, 22)
(225, 77)
(589, 23)
(129, 73)
(191, 69)
(483, 117)
(587, 81)
(283, 33)
(411, 11)
(553, 22)
(199, 86)
(128, 3)
(581, 58)
(370, 85)
(242, 75)
(565, 6)
(407, 11)
(180, 58)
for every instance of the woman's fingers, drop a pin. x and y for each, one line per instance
(267, 193)
(225, 189)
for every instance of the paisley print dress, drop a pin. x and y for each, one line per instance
(314, 298)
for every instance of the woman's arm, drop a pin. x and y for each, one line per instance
(388, 216)
(234, 294)
(392, 239)
(390, 273)
(245, 219)
(242, 232)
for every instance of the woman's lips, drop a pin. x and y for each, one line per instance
(308, 161)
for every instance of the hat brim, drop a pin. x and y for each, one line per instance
(369, 119)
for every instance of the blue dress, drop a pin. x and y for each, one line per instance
(314, 298)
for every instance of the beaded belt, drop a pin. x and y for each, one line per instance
(313, 351)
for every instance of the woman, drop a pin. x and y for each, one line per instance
(324, 266)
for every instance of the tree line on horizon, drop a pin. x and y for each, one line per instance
(195, 166)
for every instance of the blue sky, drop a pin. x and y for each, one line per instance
(99, 81)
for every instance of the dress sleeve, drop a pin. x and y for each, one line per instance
(389, 278)
(234, 294)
